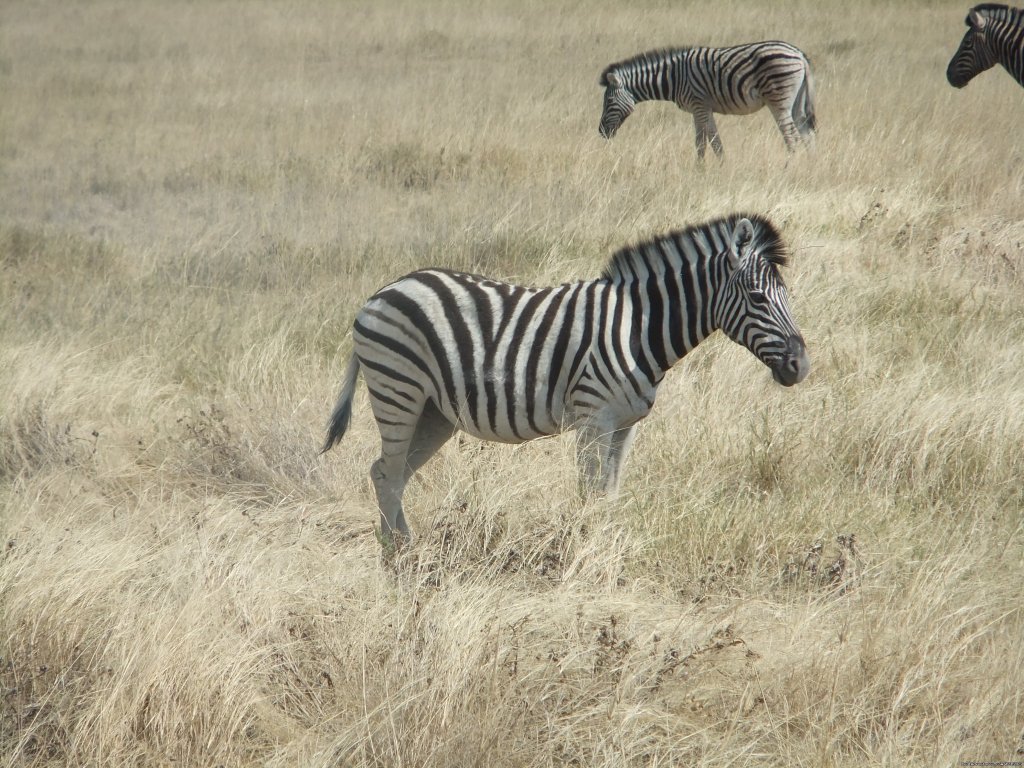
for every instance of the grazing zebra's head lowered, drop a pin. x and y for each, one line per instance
(443, 351)
(995, 35)
(618, 103)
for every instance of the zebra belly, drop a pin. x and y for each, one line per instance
(748, 107)
(485, 433)
(747, 102)
(504, 411)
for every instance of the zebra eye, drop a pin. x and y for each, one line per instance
(758, 297)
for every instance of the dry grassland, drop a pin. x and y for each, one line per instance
(196, 199)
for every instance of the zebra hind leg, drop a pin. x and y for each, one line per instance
(397, 414)
(432, 431)
(783, 114)
(803, 110)
(406, 445)
(386, 474)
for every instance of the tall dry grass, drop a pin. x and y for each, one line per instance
(198, 197)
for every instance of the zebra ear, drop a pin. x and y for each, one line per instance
(613, 79)
(976, 20)
(742, 239)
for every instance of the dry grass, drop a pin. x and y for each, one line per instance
(197, 198)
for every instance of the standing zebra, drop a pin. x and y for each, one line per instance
(442, 351)
(995, 35)
(731, 81)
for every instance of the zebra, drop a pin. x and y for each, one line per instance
(442, 351)
(738, 80)
(995, 35)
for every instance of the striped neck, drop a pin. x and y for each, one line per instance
(1005, 40)
(648, 75)
(670, 286)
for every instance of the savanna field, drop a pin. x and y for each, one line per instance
(195, 200)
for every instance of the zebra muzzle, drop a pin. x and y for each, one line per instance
(793, 365)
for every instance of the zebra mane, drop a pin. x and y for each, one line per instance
(997, 11)
(648, 57)
(651, 253)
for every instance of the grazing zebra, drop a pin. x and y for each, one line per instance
(731, 81)
(442, 351)
(995, 35)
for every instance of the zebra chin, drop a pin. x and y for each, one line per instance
(793, 366)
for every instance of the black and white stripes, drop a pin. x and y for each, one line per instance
(733, 81)
(442, 351)
(995, 35)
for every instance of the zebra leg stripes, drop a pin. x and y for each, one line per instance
(706, 131)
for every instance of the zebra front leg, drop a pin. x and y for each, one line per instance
(592, 448)
(601, 454)
(700, 134)
(716, 141)
(707, 132)
(618, 450)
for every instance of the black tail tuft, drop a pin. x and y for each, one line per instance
(342, 415)
(339, 425)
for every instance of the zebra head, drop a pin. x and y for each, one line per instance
(754, 306)
(618, 103)
(974, 54)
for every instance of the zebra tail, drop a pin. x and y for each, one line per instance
(342, 415)
(810, 121)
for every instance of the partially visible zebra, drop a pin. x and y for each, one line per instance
(731, 81)
(995, 35)
(442, 351)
